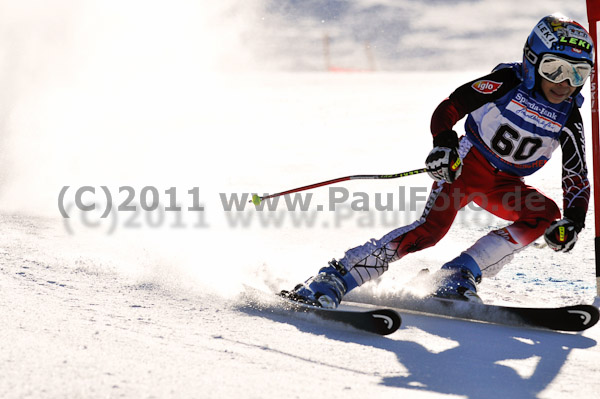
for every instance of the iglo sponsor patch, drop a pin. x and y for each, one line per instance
(486, 86)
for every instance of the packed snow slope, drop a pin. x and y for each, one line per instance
(174, 114)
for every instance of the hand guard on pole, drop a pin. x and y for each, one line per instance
(562, 235)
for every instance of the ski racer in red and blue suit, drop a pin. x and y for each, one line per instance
(516, 117)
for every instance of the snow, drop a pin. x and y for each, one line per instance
(232, 99)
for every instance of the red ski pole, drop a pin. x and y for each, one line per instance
(256, 199)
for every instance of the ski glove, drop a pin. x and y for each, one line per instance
(562, 235)
(443, 163)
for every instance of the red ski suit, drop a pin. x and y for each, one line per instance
(511, 132)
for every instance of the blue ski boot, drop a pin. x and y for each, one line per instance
(324, 290)
(458, 279)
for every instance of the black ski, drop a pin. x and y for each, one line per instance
(381, 321)
(566, 318)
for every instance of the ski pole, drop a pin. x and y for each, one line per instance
(256, 199)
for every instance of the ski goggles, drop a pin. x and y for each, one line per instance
(558, 70)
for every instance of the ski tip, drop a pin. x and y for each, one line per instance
(583, 316)
(386, 321)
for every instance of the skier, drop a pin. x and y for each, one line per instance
(517, 116)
